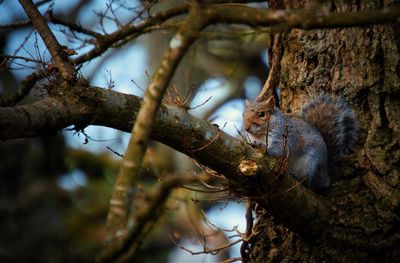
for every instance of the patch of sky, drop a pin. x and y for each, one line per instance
(228, 116)
(123, 11)
(99, 140)
(222, 215)
(213, 90)
(10, 11)
(228, 216)
(126, 66)
(252, 87)
(26, 43)
(73, 180)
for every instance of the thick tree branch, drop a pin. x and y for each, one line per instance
(43, 117)
(301, 19)
(183, 132)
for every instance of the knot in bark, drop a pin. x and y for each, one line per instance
(248, 167)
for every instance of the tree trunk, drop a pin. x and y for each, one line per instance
(362, 65)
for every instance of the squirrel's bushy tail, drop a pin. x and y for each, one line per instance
(336, 122)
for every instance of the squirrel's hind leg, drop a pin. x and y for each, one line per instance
(311, 167)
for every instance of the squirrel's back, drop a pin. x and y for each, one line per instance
(336, 122)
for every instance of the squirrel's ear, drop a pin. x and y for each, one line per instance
(247, 103)
(270, 103)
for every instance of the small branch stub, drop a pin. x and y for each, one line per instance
(248, 167)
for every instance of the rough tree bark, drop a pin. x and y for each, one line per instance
(363, 65)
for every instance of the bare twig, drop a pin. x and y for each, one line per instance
(115, 152)
(73, 26)
(25, 22)
(201, 104)
(204, 191)
(173, 97)
(211, 141)
(16, 24)
(207, 250)
(57, 52)
(10, 57)
(26, 38)
(106, 42)
(297, 184)
(208, 222)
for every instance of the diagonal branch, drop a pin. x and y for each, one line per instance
(274, 67)
(147, 217)
(131, 31)
(57, 52)
(105, 42)
(121, 199)
(73, 26)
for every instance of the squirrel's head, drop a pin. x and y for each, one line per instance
(257, 115)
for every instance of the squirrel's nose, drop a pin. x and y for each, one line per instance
(247, 127)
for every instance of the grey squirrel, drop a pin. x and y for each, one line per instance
(324, 131)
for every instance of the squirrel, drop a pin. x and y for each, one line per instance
(324, 131)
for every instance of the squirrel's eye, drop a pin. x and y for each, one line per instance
(261, 114)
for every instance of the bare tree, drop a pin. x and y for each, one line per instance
(343, 47)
